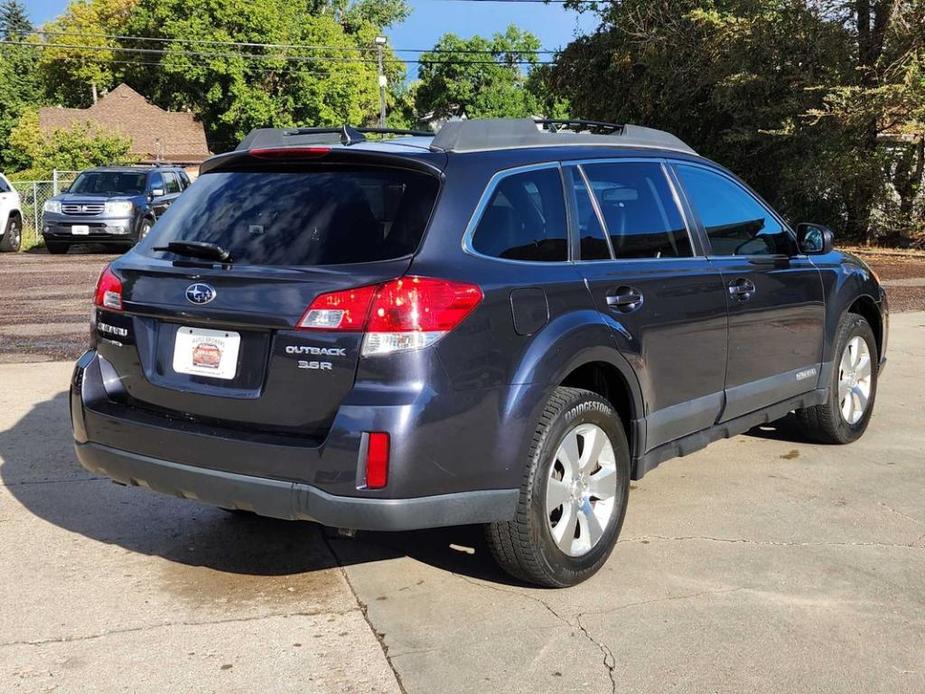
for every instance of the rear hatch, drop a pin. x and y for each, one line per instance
(218, 341)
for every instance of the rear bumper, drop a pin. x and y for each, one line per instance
(430, 483)
(295, 501)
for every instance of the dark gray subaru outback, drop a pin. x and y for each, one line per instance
(503, 323)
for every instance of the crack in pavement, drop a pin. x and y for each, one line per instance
(364, 610)
(163, 625)
(609, 660)
(901, 514)
(768, 543)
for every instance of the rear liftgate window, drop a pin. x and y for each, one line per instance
(303, 218)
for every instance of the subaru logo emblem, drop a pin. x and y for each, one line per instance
(200, 293)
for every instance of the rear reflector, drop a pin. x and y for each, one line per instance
(108, 290)
(406, 313)
(377, 460)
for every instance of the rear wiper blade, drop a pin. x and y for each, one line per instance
(197, 249)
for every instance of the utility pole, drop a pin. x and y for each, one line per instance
(380, 42)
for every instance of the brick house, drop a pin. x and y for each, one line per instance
(156, 135)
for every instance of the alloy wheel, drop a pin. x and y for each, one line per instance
(581, 490)
(854, 380)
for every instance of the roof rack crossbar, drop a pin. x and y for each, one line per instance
(348, 135)
(596, 126)
(397, 131)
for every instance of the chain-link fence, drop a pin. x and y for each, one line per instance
(33, 196)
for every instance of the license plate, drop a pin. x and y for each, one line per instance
(80, 229)
(202, 352)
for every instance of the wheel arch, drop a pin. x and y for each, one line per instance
(608, 381)
(865, 306)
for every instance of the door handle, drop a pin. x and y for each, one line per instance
(625, 299)
(742, 289)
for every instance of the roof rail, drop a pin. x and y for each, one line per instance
(344, 135)
(476, 135)
(507, 133)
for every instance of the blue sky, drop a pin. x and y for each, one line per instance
(554, 25)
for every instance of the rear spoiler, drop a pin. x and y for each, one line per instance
(241, 159)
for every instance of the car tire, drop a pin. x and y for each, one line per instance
(527, 547)
(143, 230)
(56, 247)
(11, 241)
(852, 385)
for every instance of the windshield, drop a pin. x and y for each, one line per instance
(109, 183)
(323, 217)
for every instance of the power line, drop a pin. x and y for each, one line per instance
(266, 57)
(323, 47)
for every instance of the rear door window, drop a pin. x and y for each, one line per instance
(171, 183)
(525, 219)
(304, 218)
(639, 210)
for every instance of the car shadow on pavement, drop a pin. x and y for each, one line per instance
(785, 429)
(39, 469)
(79, 249)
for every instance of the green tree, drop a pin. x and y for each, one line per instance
(320, 70)
(796, 96)
(14, 20)
(479, 77)
(69, 149)
(81, 58)
(19, 82)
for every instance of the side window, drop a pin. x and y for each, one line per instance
(735, 222)
(156, 181)
(639, 210)
(172, 183)
(4, 186)
(525, 219)
(184, 180)
(591, 238)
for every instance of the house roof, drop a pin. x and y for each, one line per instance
(154, 132)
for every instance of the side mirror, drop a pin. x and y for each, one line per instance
(815, 239)
(157, 192)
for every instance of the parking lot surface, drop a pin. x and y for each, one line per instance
(763, 563)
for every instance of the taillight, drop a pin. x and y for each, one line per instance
(406, 313)
(345, 311)
(108, 290)
(414, 312)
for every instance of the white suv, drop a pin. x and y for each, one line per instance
(10, 217)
